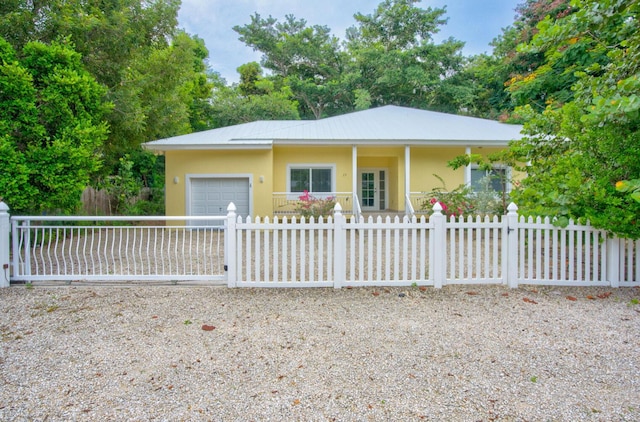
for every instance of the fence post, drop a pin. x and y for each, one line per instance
(230, 252)
(512, 245)
(339, 247)
(613, 261)
(4, 244)
(440, 249)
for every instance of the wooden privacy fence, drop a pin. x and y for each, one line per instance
(332, 252)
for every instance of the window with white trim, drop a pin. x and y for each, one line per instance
(496, 179)
(316, 179)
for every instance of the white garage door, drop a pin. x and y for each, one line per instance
(211, 196)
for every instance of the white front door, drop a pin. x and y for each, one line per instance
(372, 189)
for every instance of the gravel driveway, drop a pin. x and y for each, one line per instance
(461, 353)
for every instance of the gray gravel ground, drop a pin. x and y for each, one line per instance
(462, 353)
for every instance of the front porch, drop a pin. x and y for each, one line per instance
(365, 180)
(290, 203)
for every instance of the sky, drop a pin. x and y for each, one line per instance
(476, 22)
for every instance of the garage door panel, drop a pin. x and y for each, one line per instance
(211, 196)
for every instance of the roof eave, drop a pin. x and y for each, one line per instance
(205, 147)
(380, 142)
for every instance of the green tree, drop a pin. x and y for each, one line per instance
(254, 98)
(250, 77)
(500, 80)
(398, 62)
(577, 150)
(161, 89)
(51, 127)
(307, 59)
(156, 75)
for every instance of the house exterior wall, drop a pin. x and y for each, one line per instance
(254, 162)
(340, 156)
(269, 168)
(427, 161)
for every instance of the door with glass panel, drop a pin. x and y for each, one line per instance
(372, 189)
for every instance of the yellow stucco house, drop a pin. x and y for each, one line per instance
(371, 161)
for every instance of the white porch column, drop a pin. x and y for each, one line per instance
(354, 177)
(407, 172)
(467, 169)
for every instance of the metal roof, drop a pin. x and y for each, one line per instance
(383, 125)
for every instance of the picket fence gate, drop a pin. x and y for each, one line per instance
(332, 252)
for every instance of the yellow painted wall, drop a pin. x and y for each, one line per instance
(272, 165)
(285, 155)
(427, 161)
(256, 163)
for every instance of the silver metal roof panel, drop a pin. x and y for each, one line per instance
(389, 124)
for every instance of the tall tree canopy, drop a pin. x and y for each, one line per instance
(398, 62)
(105, 32)
(308, 59)
(389, 57)
(162, 92)
(579, 149)
(51, 127)
(155, 75)
(501, 79)
(254, 98)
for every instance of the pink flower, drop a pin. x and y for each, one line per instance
(305, 196)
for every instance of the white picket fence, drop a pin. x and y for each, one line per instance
(352, 251)
(332, 252)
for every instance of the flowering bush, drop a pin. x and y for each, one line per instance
(455, 202)
(310, 206)
(464, 201)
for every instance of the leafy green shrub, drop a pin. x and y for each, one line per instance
(310, 206)
(463, 200)
(137, 188)
(631, 187)
(122, 187)
(454, 202)
(152, 205)
(487, 201)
